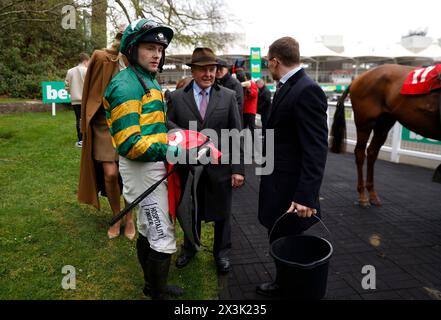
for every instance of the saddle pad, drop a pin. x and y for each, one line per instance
(422, 80)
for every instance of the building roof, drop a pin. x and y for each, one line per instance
(316, 51)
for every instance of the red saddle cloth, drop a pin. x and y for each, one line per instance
(422, 80)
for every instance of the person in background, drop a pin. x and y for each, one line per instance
(99, 160)
(263, 102)
(250, 100)
(225, 79)
(74, 85)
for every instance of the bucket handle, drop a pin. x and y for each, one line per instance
(295, 211)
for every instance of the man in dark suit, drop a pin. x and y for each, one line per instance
(225, 79)
(298, 118)
(263, 102)
(214, 107)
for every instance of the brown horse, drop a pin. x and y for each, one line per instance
(377, 105)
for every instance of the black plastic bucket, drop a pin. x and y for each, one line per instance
(302, 263)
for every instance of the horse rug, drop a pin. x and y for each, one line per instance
(422, 80)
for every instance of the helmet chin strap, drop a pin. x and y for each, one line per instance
(161, 62)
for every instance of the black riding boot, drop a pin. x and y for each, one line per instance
(144, 251)
(157, 269)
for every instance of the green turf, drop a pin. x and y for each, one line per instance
(11, 100)
(43, 228)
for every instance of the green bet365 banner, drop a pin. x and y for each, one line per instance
(255, 64)
(408, 135)
(55, 92)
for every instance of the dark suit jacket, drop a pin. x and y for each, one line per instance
(231, 83)
(264, 100)
(298, 118)
(222, 113)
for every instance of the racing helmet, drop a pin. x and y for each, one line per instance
(144, 30)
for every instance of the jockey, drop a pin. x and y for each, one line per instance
(136, 116)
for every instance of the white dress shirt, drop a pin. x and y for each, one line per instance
(289, 74)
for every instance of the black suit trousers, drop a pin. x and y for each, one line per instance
(222, 231)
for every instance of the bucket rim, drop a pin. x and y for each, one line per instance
(303, 265)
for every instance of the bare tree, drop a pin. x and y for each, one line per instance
(99, 23)
(196, 22)
(13, 12)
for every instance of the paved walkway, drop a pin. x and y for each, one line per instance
(401, 239)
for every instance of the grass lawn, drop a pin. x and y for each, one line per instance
(10, 100)
(43, 228)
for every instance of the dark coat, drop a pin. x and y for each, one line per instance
(264, 104)
(264, 100)
(233, 84)
(214, 191)
(298, 118)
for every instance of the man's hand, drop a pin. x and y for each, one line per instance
(302, 211)
(246, 84)
(237, 180)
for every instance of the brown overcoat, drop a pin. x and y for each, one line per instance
(102, 66)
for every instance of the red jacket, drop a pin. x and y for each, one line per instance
(250, 99)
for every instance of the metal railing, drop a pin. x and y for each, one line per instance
(394, 143)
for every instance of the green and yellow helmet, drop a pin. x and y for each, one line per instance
(144, 30)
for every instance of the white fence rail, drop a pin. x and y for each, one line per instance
(394, 144)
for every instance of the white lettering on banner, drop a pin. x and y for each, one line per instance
(414, 136)
(63, 94)
(51, 93)
(255, 67)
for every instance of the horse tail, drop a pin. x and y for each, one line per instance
(338, 129)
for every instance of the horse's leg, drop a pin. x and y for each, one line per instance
(360, 154)
(381, 130)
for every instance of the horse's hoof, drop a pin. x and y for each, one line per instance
(364, 204)
(376, 203)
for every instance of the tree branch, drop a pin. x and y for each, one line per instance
(32, 11)
(20, 20)
(124, 9)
